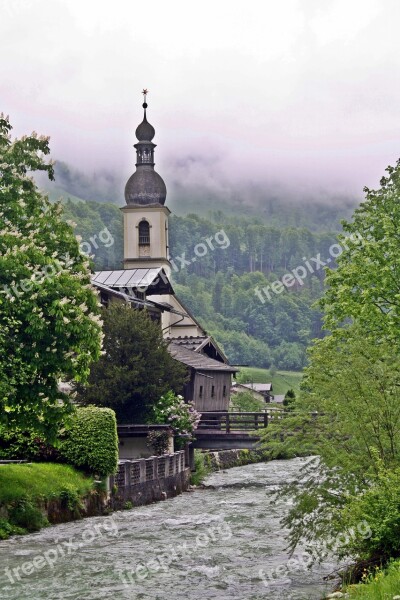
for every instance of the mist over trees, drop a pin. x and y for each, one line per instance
(220, 287)
(269, 233)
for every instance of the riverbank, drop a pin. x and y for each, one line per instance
(380, 584)
(35, 495)
(208, 461)
(222, 541)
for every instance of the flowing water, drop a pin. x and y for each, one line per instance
(223, 542)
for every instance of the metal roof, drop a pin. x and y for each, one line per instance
(129, 277)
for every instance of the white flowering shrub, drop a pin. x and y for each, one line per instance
(50, 329)
(172, 410)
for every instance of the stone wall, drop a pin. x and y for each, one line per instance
(226, 459)
(149, 480)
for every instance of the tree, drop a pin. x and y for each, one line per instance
(49, 313)
(351, 407)
(135, 369)
(289, 399)
(366, 284)
(353, 381)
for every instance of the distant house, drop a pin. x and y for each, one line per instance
(261, 391)
(210, 380)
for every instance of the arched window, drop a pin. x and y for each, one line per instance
(144, 233)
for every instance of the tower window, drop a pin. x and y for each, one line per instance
(144, 233)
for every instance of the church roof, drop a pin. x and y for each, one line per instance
(145, 131)
(151, 281)
(145, 187)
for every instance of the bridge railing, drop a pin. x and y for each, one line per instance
(234, 421)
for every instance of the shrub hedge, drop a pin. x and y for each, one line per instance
(91, 442)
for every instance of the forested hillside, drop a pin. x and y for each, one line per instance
(243, 255)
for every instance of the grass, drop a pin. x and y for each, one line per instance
(40, 481)
(282, 381)
(381, 585)
(202, 469)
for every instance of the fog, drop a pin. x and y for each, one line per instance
(300, 97)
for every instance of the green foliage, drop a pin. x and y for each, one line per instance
(91, 441)
(365, 286)
(93, 218)
(24, 488)
(27, 445)
(289, 400)
(281, 380)
(49, 315)
(27, 516)
(38, 481)
(356, 380)
(71, 500)
(202, 468)
(380, 584)
(379, 506)
(158, 441)
(136, 368)
(353, 381)
(7, 529)
(220, 288)
(294, 435)
(245, 401)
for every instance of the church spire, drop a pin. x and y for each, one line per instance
(145, 186)
(145, 132)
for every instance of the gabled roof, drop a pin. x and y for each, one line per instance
(198, 343)
(196, 360)
(152, 281)
(258, 387)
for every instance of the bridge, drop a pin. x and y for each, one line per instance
(231, 430)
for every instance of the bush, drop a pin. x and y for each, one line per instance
(289, 400)
(379, 506)
(26, 445)
(91, 442)
(246, 402)
(7, 529)
(202, 469)
(24, 514)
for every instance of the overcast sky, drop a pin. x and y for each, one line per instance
(301, 91)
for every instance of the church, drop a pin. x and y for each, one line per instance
(145, 280)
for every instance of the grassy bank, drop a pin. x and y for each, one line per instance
(281, 381)
(25, 488)
(380, 585)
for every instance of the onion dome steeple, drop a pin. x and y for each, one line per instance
(145, 187)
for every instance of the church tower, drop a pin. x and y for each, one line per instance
(145, 216)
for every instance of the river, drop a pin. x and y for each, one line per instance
(223, 542)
